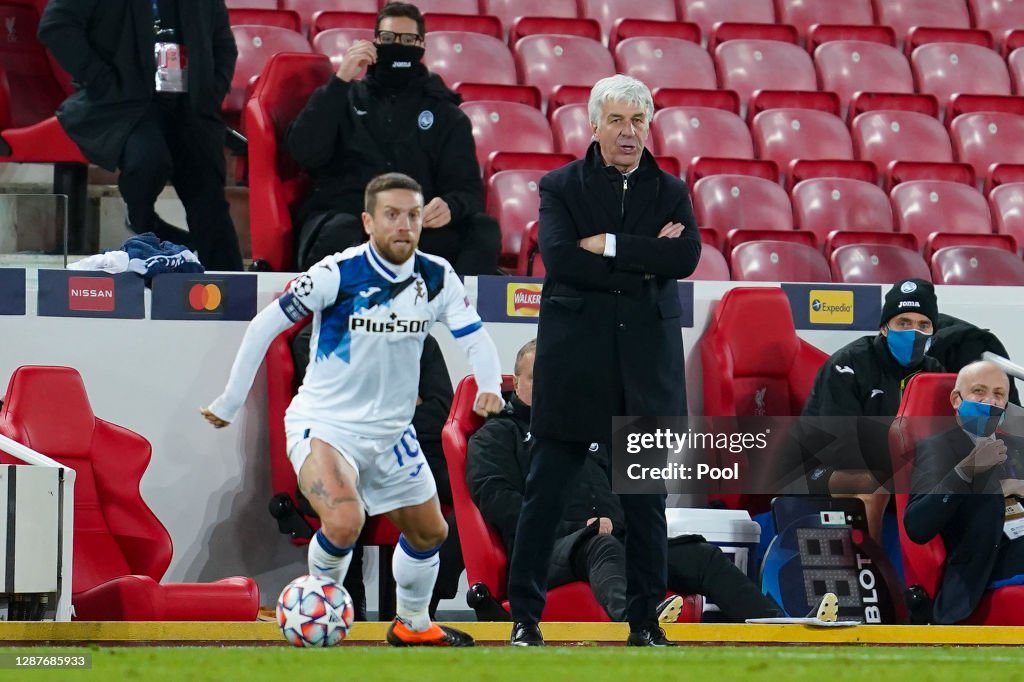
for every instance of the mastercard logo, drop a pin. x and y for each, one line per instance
(205, 297)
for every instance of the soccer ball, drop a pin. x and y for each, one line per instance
(314, 611)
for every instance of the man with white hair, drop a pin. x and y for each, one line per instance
(616, 232)
(967, 488)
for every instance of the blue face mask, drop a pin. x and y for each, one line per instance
(980, 419)
(908, 346)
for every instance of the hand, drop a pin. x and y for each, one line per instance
(436, 213)
(1012, 486)
(671, 230)
(593, 244)
(488, 404)
(216, 421)
(604, 525)
(361, 54)
(984, 456)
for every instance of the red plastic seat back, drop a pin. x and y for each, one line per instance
(904, 15)
(692, 132)
(116, 533)
(482, 547)
(463, 57)
(778, 261)
(985, 138)
(509, 10)
(570, 124)
(712, 266)
(334, 42)
(750, 65)
(806, 13)
(34, 91)
(983, 265)
(877, 264)
(276, 183)
(707, 13)
(1007, 205)
(784, 135)
(729, 202)
(507, 127)
(825, 204)
(925, 206)
(608, 11)
(847, 67)
(943, 69)
(886, 136)
(256, 45)
(513, 197)
(551, 60)
(308, 8)
(654, 60)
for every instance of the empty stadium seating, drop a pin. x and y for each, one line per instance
(943, 69)
(551, 60)
(778, 261)
(925, 206)
(570, 125)
(806, 13)
(985, 139)
(256, 45)
(886, 136)
(876, 263)
(507, 126)
(691, 132)
(712, 265)
(904, 15)
(707, 13)
(980, 265)
(848, 67)
(461, 57)
(509, 10)
(998, 17)
(607, 12)
(822, 205)
(785, 135)
(1006, 203)
(656, 61)
(513, 198)
(750, 65)
(728, 202)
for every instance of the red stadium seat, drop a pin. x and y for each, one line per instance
(927, 395)
(978, 265)
(741, 31)
(765, 374)
(1006, 203)
(883, 137)
(513, 198)
(656, 60)
(840, 238)
(465, 23)
(607, 12)
(876, 264)
(507, 126)
(530, 263)
(707, 13)
(848, 67)
(985, 139)
(904, 15)
(276, 183)
(764, 100)
(940, 240)
(712, 266)
(255, 4)
(806, 13)
(334, 42)
(695, 97)
(728, 202)
(328, 19)
(549, 161)
(121, 550)
(460, 57)
(266, 17)
(822, 205)
(256, 45)
(703, 166)
(572, 130)
(523, 94)
(307, 9)
(826, 33)
(548, 25)
(447, 6)
(690, 132)
(750, 65)
(785, 135)
(809, 169)
(998, 17)
(551, 60)
(778, 261)
(482, 547)
(509, 10)
(945, 69)
(925, 206)
(628, 27)
(742, 235)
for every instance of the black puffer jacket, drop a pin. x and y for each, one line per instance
(958, 343)
(351, 132)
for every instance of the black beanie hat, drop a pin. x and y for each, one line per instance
(910, 296)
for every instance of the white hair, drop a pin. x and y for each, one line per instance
(619, 88)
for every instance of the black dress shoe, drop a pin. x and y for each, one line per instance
(649, 636)
(526, 634)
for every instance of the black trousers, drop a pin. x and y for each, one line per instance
(171, 142)
(471, 245)
(694, 567)
(554, 466)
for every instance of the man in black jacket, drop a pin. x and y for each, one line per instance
(965, 483)
(616, 232)
(859, 389)
(590, 536)
(399, 117)
(150, 78)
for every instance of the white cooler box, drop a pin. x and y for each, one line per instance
(731, 529)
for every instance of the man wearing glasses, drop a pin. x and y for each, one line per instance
(398, 117)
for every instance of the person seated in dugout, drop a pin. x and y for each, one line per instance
(590, 541)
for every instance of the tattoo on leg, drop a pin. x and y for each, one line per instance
(317, 489)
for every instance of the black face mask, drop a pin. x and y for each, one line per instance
(397, 64)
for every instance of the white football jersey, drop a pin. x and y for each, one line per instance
(369, 321)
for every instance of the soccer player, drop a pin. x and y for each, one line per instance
(349, 429)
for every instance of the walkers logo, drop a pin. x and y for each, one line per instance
(95, 294)
(522, 299)
(82, 294)
(202, 297)
(12, 291)
(830, 307)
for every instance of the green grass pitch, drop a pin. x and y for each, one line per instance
(561, 664)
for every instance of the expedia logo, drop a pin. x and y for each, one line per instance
(205, 297)
(831, 307)
(392, 325)
(95, 294)
(523, 300)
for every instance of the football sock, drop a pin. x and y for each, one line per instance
(415, 573)
(327, 559)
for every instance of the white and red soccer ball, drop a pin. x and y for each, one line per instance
(314, 611)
